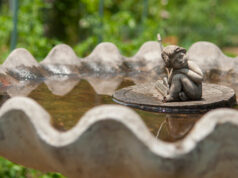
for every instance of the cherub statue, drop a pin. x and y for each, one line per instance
(184, 79)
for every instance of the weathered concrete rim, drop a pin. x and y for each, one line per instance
(38, 119)
(214, 96)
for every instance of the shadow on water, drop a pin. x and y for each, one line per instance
(68, 100)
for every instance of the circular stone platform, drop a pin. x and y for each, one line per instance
(145, 97)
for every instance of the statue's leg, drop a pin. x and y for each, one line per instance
(183, 96)
(175, 88)
(191, 89)
(182, 88)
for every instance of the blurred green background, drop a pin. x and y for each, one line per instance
(83, 24)
(41, 24)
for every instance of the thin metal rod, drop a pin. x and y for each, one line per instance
(144, 15)
(145, 10)
(1, 5)
(15, 22)
(160, 41)
(158, 132)
(101, 13)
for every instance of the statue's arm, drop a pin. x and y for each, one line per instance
(191, 74)
(195, 68)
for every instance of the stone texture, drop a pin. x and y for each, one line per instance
(62, 54)
(61, 60)
(105, 58)
(21, 65)
(146, 97)
(209, 57)
(112, 141)
(58, 69)
(148, 58)
(20, 57)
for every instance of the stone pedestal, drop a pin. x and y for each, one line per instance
(146, 97)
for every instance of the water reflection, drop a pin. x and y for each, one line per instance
(61, 85)
(105, 86)
(23, 88)
(67, 99)
(169, 127)
(66, 110)
(179, 125)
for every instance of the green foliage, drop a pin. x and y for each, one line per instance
(11, 170)
(30, 29)
(5, 27)
(45, 23)
(211, 20)
(189, 21)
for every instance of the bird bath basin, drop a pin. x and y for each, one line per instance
(53, 116)
(66, 110)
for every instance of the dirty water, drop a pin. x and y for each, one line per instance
(66, 107)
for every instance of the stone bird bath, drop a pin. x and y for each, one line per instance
(112, 140)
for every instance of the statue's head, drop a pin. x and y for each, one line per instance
(174, 57)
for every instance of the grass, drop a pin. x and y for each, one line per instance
(11, 170)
